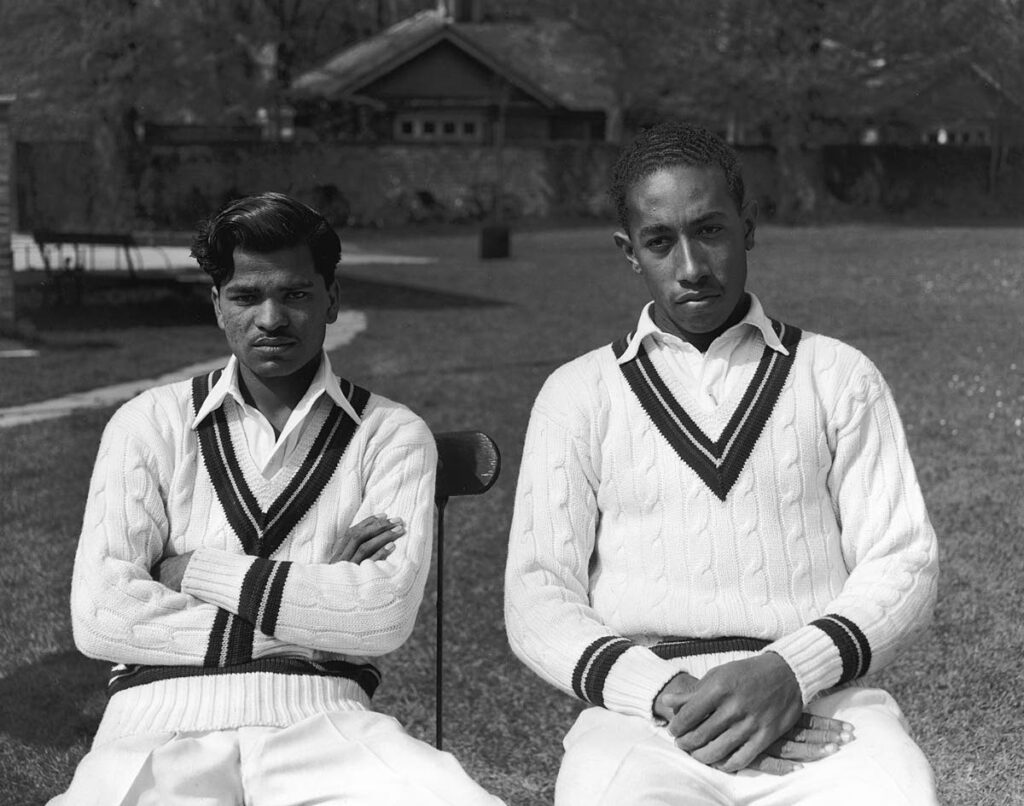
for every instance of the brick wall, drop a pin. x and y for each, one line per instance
(6, 205)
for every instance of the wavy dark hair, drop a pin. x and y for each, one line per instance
(265, 222)
(668, 144)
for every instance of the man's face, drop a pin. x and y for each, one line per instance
(274, 311)
(689, 242)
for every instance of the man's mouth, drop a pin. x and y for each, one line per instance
(700, 296)
(273, 343)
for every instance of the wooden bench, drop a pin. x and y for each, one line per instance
(47, 238)
(468, 463)
(66, 285)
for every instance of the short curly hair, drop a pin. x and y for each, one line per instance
(265, 222)
(666, 145)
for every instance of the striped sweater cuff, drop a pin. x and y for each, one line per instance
(830, 651)
(619, 675)
(249, 587)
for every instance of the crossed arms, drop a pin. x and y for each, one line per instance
(138, 514)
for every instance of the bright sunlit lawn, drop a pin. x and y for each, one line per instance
(467, 344)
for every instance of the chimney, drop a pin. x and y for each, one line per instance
(462, 10)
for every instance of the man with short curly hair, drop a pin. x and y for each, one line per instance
(718, 530)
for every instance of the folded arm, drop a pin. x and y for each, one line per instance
(888, 545)
(551, 625)
(344, 607)
(119, 612)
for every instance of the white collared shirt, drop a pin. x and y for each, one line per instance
(711, 374)
(269, 452)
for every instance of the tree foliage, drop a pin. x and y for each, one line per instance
(98, 69)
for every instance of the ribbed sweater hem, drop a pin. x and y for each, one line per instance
(223, 702)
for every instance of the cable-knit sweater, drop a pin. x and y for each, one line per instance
(268, 628)
(787, 519)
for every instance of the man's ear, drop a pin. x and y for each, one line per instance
(749, 216)
(334, 300)
(626, 245)
(215, 299)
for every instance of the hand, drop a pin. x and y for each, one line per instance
(171, 570)
(370, 539)
(737, 710)
(675, 693)
(812, 738)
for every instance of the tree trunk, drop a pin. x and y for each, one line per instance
(118, 160)
(802, 189)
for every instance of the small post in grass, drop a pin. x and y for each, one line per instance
(494, 236)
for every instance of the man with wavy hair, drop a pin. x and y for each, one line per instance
(253, 538)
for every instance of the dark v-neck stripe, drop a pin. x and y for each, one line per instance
(719, 462)
(261, 534)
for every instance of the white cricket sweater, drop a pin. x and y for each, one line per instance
(807, 536)
(267, 634)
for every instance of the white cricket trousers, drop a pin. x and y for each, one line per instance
(616, 760)
(350, 757)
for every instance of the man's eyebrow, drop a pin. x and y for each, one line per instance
(653, 229)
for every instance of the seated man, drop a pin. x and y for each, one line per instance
(252, 538)
(718, 530)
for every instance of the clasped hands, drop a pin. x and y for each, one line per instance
(747, 714)
(373, 538)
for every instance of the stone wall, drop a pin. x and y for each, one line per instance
(7, 313)
(375, 186)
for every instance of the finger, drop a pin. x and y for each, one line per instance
(383, 553)
(815, 729)
(674, 699)
(817, 722)
(368, 548)
(716, 724)
(695, 712)
(810, 736)
(357, 533)
(720, 751)
(773, 766)
(801, 751)
(744, 753)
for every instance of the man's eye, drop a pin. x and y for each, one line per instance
(242, 299)
(710, 230)
(657, 244)
(298, 294)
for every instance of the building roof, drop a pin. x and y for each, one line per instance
(548, 59)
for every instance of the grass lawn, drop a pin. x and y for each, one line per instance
(467, 344)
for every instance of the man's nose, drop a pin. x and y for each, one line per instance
(690, 265)
(271, 315)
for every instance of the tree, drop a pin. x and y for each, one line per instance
(795, 72)
(807, 72)
(102, 68)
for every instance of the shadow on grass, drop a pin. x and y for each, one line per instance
(55, 701)
(106, 304)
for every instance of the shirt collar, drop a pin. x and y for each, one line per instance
(755, 318)
(324, 382)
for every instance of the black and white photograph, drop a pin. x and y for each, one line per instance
(524, 402)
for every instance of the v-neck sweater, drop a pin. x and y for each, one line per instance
(263, 609)
(636, 553)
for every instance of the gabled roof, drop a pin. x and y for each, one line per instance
(548, 60)
(960, 90)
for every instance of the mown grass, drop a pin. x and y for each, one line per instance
(467, 344)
